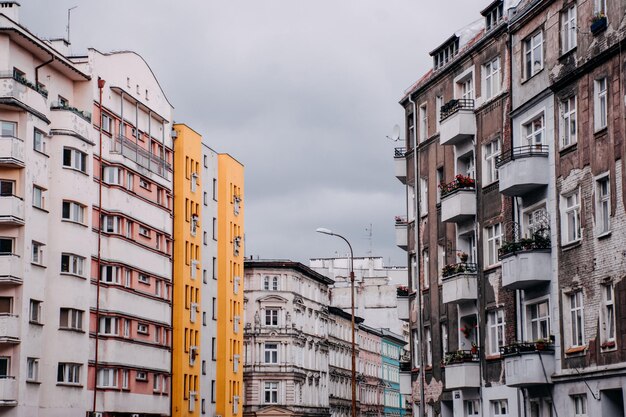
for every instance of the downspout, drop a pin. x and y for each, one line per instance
(101, 83)
(39, 66)
(174, 230)
(122, 132)
(416, 279)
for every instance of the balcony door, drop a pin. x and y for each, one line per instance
(5, 366)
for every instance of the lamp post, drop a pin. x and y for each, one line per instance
(329, 232)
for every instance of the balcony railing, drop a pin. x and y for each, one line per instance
(461, 356)
(399, 152)
(460, 268)
(461, 182)
(24, 81)
(538, 241)
(527, 347)
(142, 157)
(454, 106)
(522, 152)
(64, 106)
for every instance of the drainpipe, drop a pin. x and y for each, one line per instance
(42, 65)
(101, 83)
(122, 132)
(418, 296)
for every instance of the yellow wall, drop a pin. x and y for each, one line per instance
(186, 290)
(230, 176)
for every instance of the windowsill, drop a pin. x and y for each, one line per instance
(74, 222)
(38, 265)
(69, 384)
(569, 148)
(41, 153)
(69, 274)
(575, 350)
(69, 329)
(28, 381)
(41, 209)
(567, 54)
(76, 170)
(604, 235)
(600, 131)
(609, 347)
(571, 245)
(525, 80)
(36, 323)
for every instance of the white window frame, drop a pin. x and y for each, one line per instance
(568, 29)
(493, 242)
(490, 151)
(76, 212)
(438, 104)
(270, 355)
(534, 130)
(531, 323)
(35, 311)
(75, 264)
(70, 373)
(143, 328)
(112, 175)
(500, 408)
(272, 317)
(496, 324)
(579, 405)
(107, 378)
(78, 160)
(32, 369)
(472, 407)
(426, 268)
(601, 104)
(492, 78)
(603, 205)
(570, 217)
(109, 326)
(37, 253)
(533, 54)
(600, 7)
(576, 319)
(569, 121)
(429, 345)
(113, 277)
(423, 121)
(270, 392)
(74, 319)
(607, 329)
(39, 198)
(423, 197)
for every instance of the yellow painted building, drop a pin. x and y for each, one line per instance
(230, 256)
(186, 315)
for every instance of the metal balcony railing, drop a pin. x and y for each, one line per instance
(399, 152)
(132, 150)
(460, 268)
(527, 347)
(522, 152)
(460, 182)
(454, 105)
(461, 356)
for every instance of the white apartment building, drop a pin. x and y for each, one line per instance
(56, 230)
(285, 339)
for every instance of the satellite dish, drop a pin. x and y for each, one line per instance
(395, 133)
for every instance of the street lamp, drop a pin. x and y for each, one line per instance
(329, 232)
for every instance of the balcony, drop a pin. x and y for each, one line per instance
(17, 91)
(462, 369)
(523, 170)
(526, 262)
(147, 160)
(459, 283)
(403, 306)
(11, 211)
(9, 329)
(458, 200)
(401, 232)
(8, 391)
(528, 364)
(65, 118)
(458, 122)
(11, 152)
(10, 269)
(399, 162)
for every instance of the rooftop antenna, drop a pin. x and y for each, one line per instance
(69, 11)
(370, 232)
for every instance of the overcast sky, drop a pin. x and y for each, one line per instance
(303, 93)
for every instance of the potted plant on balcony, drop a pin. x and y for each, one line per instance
(463, 257)
(540, 344)
(598, 23)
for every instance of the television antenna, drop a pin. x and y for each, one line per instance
(69, 13)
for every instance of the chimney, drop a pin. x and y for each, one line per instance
(61, 45)
(10, 9)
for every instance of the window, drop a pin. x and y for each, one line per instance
(144, 184)
(34, 314)
(445, 54)
(8, 129)
(580, 405)
(492, 78)
(608, 316)
(108, 326)
(492, 18)
(125, 378)
(68, 373)
(423, 196)
(534, 131)
(600, 7)
(429, 346)
(570, 218)
(426, 268)
(73, 212)
(270, 283)
(600, 115)
(491, 151)
(111, 175)
(472, 407)
(129, 229)
(155, 382)
(271, 393)
(500, 408)
(569, 128)
(106, 123)
(6, 305)
(603, 205)
(271, 317)
(107, 378)
(6, 188)
(38, 141)
(568, 26)
(271, 352)
(38, 196)
(142, 328)
(438, 104)
(141, 376)
(32, 365)
(37, 253)
(577, 327)
(143, 278)
(144, 231)
(494, 240)
(72, 264)
(533, 55)
(495, 322)
(423, 114)
(71, 318)
(110, 274)
(75, 159)
(538, 321)
(6, 246)
(444, 339)
(465, 87)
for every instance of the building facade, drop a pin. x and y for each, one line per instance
(371, 386)
(517, 289)
(286, 339)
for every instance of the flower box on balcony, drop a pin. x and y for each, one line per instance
(598, 23)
